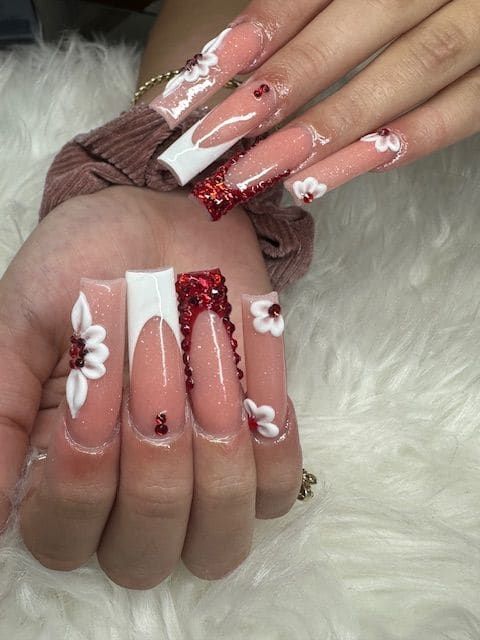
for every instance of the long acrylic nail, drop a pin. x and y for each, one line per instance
(232, 51)
(266, 402)
(219, 130)
(211, 360)
(94, 384)
(157, 385)
(368, 153)
(252, 172)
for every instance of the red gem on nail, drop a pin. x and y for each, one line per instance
(199, 291)
(77, 352)
(252, 423)
(218, 197)
(161, 427)
(308, 198)
(384, 132)
(259, 91)
(275, 310)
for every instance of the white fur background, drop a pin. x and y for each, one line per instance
(384, 366)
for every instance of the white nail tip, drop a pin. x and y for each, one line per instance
(185, 159)
(150, 294)
(97, 352)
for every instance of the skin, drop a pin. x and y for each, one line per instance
(138, 516)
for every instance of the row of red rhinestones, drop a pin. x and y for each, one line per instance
(77, 352)
(197, 292)
(191, 62)
(259, 91)
(218, 197)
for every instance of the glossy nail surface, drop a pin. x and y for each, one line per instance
(232, 51)
(94, 383)
(256, 170)
(211, 361)
(157, 387)
(263, 328)
(219, 130)
(368, 153)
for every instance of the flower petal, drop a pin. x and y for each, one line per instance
(209, 59)
(93, 370)
(250, 406)
(263, 324)
(191, 75)
(93, 335)
(268, 430)
(394, 143)
(76, 391)
(81, 315)
(298, 189)
(265, 413)
(381, 144)
(371, 137)
(212, 45)
(98, 353)
(173, 83)
(260, 308)
(278, 326)
(309, 184)
(320, 190)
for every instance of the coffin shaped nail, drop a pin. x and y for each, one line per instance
(256, 170)
(368, 153)
(231, 52)
(210, 356)
(263, 328)
(94, 383)
(157, 389)
(219, 130)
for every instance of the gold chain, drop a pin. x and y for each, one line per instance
(308, 479)
(168, 75)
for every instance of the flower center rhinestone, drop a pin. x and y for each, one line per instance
(308, 198)
(275, 310)
(252, 423)
(191, 62)
(384, 132)
(161, 427)
(200, 291)
(259, 91)
(77, 352)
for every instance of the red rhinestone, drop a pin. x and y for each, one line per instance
(79, 363)
(189, 384)
(308, 198)
(237, 358)
(73, 351)
(252, 423)
(161, 429)
(383, 132)
(239, 374)
(275, 310)
(234, 343)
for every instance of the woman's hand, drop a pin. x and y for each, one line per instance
(178, 478)
(420, 93)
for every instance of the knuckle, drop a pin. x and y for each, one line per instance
(438, 49)
(232, 491)
(81, 503)
(154, 501)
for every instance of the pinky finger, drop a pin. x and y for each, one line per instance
(450, 116)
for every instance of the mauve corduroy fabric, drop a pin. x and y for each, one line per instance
(124, 152)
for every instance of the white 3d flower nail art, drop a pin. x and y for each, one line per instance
(267, 317)
(385, 140)
(198, 66)
(261, 419)
(309, 189)
(87, 354)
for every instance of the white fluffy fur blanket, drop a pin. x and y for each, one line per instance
(384, 366)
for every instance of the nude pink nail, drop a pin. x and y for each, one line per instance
(256, 170)
(211, 361)
(266, 402)
(94, 384)
(232, 51)
(219, 130)
(368, 153)
(157, 384)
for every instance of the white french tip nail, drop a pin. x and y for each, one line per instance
(150, 294)
(186, 159)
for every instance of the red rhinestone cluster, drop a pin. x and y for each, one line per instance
(218, 197)
(77, 352)
(275, 310)
(198, 291)
(259, 91)
(308, 198)
(161, 427)
(384, 132)
(192, 62)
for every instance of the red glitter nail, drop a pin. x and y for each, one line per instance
(200, 291)
(218, 197)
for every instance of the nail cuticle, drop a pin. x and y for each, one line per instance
(95, 450)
